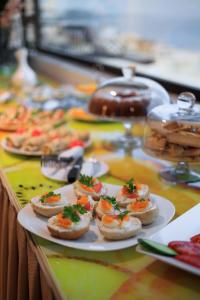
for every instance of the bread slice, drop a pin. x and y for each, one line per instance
(120, 233)
(95, 196)
(46, 210)
(123, 200)
(147, 216)
(65, 233)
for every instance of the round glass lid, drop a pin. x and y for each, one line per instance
(173, 130)
(185, 110)
(173, 133)
(128, 96)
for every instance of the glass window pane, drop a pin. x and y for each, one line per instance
(162, 37)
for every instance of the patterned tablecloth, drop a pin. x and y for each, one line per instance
(123, 274)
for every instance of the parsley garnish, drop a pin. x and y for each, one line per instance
(130, 185)
(59, 124)
(80, 208)
(112, 200)
(35, 112)
(141, 199)
(72, 212)
(123, 214)
(17, 114)
(86, 180)
(45, 196)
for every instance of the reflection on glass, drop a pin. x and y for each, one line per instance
(163, 42)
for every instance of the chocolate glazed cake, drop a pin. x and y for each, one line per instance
(114, 101)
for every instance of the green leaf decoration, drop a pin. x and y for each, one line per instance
(72, 212)
(86, 180)
(130, 186)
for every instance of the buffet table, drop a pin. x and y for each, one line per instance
(34, 268)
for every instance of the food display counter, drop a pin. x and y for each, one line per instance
(34, 268)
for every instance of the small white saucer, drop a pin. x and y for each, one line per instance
(61, 174)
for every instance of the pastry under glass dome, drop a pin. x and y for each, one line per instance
(127, 99)
(173, 134)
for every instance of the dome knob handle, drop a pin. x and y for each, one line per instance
(185, 102)
(129, 71)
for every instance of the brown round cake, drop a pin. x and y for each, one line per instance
(113, 101)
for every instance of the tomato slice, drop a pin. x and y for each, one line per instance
(76, 143)
(126, 193)
(20, 130)
(132, 196)
(97, 187)
(58, 115)
(36, 132)
(55, 136)
(183, 247)
(87, 206)
(193, 260)
(195, 239)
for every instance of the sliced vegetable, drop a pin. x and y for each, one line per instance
(184, 247)
(36, 132)
(97, 187)
(129, 186)
(76, 143)
(196, 239)
(157, 247)
(21, 130)
(59, 124)
(193, 260)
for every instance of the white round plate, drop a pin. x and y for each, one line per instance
(61, 174)
(29, 153)
(93, 240)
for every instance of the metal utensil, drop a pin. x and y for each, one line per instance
(73, 174)
(54, 161)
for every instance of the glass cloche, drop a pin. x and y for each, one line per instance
(127, 99)
(173, 134)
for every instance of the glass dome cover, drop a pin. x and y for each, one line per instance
(127, 97)
(173, 131)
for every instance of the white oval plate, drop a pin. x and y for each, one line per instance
(28, 153)
(93, 240)
(61, 174)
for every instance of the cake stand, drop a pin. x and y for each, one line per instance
(172, 135)
(127, 100)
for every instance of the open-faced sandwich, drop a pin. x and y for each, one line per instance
(88, 203)
(107, 206)
(130, 191)
(70, 224)
(119, 227)
(50, 137)
(13, 118)
(90, 186)
(144, 209)
(48, 204)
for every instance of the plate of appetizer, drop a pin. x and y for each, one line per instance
(45, 139)
(19, 118)
(178, 244)
(88, 215)
(14, 117)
